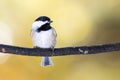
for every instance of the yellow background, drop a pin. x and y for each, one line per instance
(77, 22)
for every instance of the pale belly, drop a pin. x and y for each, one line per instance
(44, 39)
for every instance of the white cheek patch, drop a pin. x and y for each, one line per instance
(38, 24)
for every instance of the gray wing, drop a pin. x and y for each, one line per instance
(31, 33)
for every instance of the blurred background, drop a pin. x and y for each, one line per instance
(77, 22)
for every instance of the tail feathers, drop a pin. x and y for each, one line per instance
(46, 61)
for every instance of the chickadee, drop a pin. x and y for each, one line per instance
(43, 36)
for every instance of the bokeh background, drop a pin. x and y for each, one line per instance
(77, 22)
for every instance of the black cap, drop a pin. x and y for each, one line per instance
(43, 18)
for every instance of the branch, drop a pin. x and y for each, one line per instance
(59, 51)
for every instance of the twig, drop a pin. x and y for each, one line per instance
(60, 51)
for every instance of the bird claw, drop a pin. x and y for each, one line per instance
(53, 52)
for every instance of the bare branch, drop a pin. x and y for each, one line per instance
(60, 51)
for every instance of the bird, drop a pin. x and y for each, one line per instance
(44, 36)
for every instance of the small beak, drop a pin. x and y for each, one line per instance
(51, 21)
